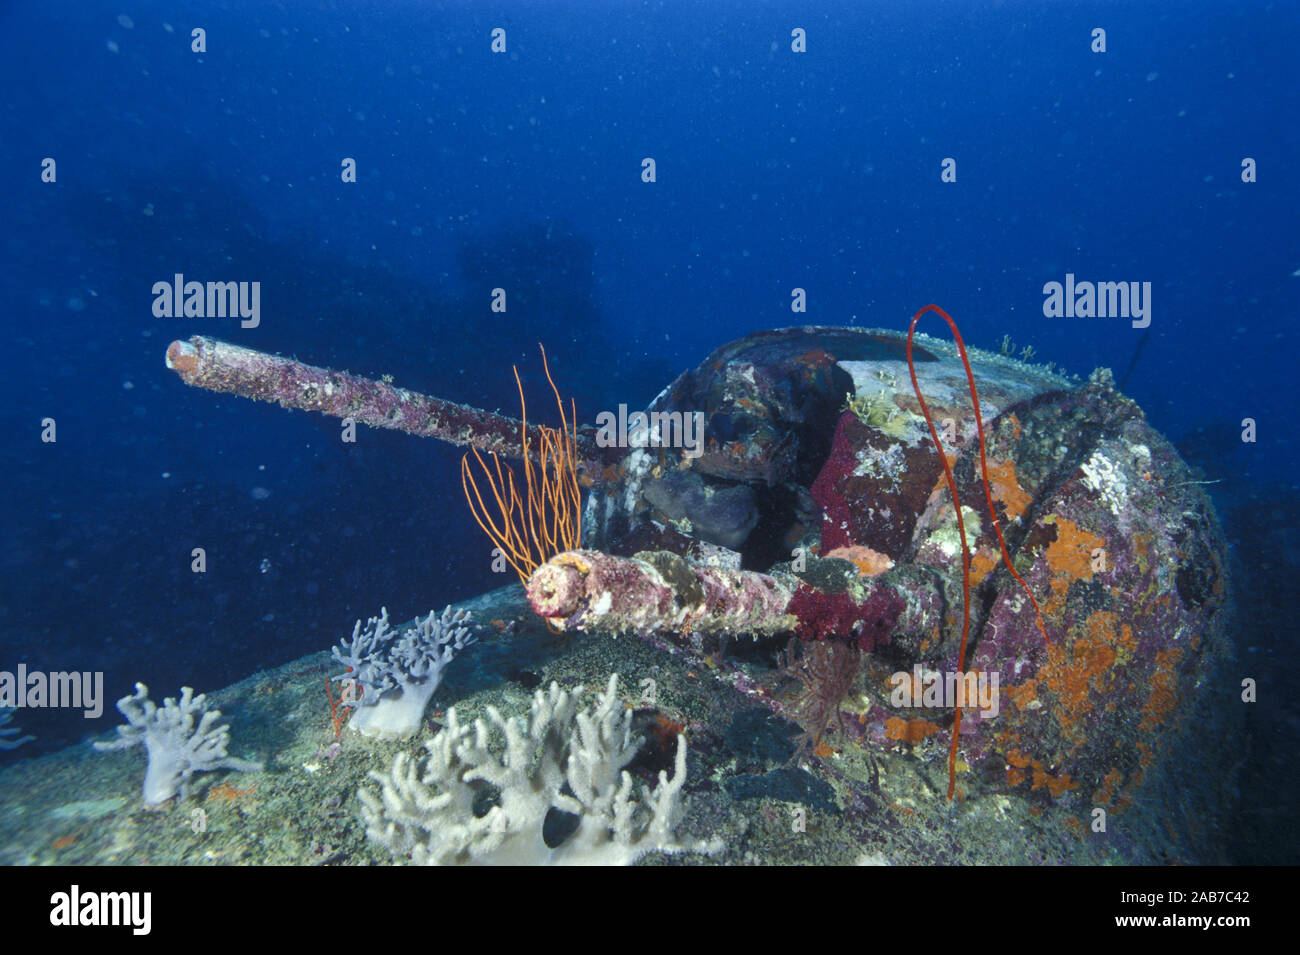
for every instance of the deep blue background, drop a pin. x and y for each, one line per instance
(522, 170)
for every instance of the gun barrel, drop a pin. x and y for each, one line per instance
(203, 362)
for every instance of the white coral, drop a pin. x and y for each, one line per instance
(398, 672)
(7, 740)
(177, 747)
(562, 758)
(1101, 476)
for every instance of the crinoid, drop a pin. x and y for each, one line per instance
(827, 670)
(961, 525)
(547, 519)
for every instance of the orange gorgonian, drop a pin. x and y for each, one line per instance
(531, 527)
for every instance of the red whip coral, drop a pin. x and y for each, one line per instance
(956, 504)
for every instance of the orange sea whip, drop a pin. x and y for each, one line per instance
(961, 525)
(549, 522)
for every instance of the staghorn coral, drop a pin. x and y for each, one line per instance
(177, 747)
(562, 758)
(398, 672)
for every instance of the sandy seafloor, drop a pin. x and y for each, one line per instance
(83, 807)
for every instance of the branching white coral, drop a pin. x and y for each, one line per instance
(562, 758)
(396, 673)
(6, 735)
(177, 746)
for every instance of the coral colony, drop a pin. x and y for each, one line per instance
(548, 519)
(562, 758)
(394, 674)
(6, 735)
(178, 747)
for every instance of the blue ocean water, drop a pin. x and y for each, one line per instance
(775, 169)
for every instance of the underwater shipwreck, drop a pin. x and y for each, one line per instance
(837, 596)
